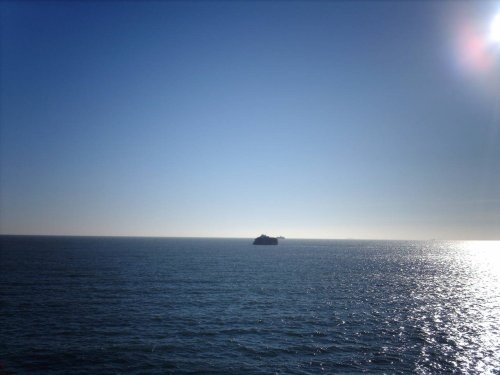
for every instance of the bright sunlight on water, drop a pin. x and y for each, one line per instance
(460, 308)
(224, 306)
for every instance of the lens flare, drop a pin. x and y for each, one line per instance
(495, 29)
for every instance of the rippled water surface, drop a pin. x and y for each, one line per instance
(223, 306)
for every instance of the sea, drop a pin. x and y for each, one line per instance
(117, 305)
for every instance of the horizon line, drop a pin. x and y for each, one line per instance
(239, 237)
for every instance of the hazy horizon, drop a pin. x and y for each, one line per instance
(493, 241)
(312, 120)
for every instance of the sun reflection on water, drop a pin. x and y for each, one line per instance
(481, 246)
(484, 257)
(465, 303)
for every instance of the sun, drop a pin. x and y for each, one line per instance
(495, 29)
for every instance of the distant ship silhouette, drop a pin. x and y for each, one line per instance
(265, 240)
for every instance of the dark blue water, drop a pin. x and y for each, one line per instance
(223, 306)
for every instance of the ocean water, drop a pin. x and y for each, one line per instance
(71, 305)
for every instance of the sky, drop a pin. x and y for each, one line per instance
(370, 120)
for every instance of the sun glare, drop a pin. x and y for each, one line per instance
(486, 253)
(495, 29)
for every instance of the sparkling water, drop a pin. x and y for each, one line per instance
(223, 306)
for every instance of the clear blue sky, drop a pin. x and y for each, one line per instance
(306, 119)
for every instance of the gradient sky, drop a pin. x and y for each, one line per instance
(302, 119)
